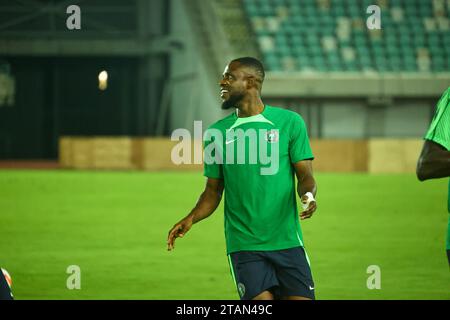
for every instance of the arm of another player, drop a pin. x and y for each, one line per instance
(306, 183)
(434, 162)
(207, 203)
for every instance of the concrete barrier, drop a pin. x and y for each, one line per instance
(393, 155)
(340, 155)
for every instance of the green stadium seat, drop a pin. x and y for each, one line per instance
(274, 60)
(352, 67)
(252, 10)
(314, 50)
(338, 10)
(419, 41)
(438, 63)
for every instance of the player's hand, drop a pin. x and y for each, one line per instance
(178, 230)
(308, 212)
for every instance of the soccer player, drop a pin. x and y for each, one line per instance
(262, 227)
(434, 160)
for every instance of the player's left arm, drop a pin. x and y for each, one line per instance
(434, 162)
(306, 183)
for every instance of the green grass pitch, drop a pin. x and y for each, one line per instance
(114, 225)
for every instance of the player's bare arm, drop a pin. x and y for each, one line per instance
(434, 162)
(207, 203)
(306, 183)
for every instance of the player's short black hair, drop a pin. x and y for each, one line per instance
(253, 63)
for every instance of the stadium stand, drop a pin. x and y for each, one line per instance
(325, 35)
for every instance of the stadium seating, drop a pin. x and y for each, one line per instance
(331, 35)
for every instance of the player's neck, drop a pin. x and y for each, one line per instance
(249, 108)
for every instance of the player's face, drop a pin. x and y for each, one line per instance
(232, 86)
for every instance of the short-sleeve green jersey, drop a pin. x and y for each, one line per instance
(254, 156)
(439, 130)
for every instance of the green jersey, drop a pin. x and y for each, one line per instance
(254, 157)
(439, 130)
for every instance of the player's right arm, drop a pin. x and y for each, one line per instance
(434, 162)
(207, 203)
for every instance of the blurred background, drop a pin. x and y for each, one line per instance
(163, 61)
(107, 97)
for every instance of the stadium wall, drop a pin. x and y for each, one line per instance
(55, 71)
(331, 155)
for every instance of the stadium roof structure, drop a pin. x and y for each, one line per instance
(355, 84)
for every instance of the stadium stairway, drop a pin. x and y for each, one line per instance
(237, 27)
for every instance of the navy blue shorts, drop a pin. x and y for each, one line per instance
(282, 272)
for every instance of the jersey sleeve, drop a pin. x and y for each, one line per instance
(439, 130)
(299, 147)
(212, 166)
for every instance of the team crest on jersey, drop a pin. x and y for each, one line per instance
(272, 136)
(241, 289)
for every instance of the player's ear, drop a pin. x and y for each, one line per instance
(251, 83)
